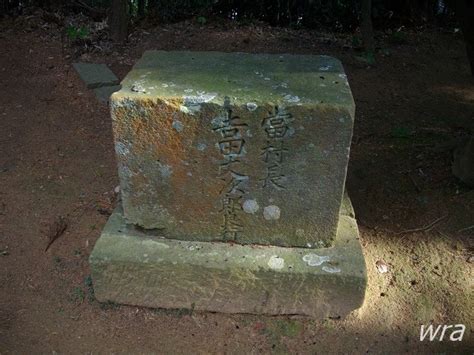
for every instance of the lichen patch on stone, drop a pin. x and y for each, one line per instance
(271, 212)
(251, 106)
(315, 260)
(165, 170)
(152, 243)
(121, 149)
(291, 98)
(138, 87)
(201, 147)
(178, 125)
(190, 100)
(250, 206)
(275, 262)
(331, 269)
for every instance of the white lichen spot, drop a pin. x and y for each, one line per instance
(341, 119)
(325, 68)
(291, 98)
(201, 147)
(250, 206)
(121, 149)
(314, 259)
(183, 109)
(138, 87)
(192, 109)
(267, 78)
(165, 170)
(311, 145)
(154, 244)
(331, 269)
(189, 173)
(188, 91)
(342, 76)
(271, 212)
(198, 99)
(251, 106)
(193, 102)
(275, 262)
(218, 122)
(248, 133)
(164, 85)
(177, 125)
(291, 132)
(322, 85)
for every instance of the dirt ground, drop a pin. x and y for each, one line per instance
(57, 159)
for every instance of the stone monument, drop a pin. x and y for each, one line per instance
(232, 169)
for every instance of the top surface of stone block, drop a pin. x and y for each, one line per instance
(209, 76)
(96, 75)
(251, 148)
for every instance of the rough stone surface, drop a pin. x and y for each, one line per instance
(233, 146)
(95, 75)
(136, 267)
(103, 93)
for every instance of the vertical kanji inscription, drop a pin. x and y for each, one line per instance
(276, 125)
(232, 147)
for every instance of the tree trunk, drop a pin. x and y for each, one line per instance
(3, 7)
(118, 20)
(366, 27)
(463, 163)
(141, 8)
(465, 15)
(151, 7)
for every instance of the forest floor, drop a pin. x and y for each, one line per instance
(57, 159)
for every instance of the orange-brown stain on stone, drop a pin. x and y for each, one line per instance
(149, 125)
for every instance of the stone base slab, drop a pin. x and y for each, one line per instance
(95, 75)
(138, 267)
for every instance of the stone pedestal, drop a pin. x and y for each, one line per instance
(134, 267)
(232, 169)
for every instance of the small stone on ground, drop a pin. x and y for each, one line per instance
(96, 75)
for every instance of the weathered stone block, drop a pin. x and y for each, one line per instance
(133, 266)
(233, 146)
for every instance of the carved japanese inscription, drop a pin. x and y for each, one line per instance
(231, 145)
(276, 125)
